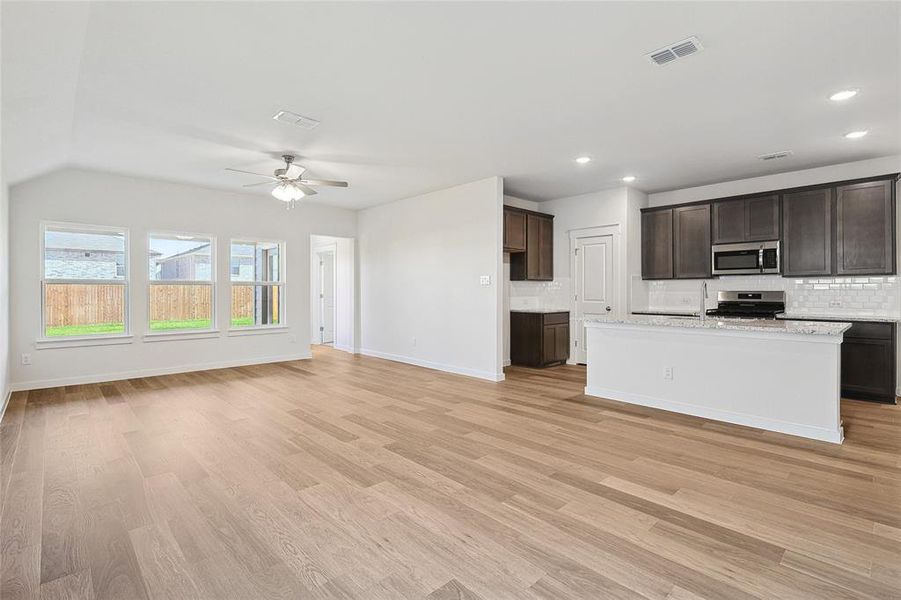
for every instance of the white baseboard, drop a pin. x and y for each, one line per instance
(344, 348)
(433, 365)
(507, 363)
(104, 377)
(6, 397)
(806, 431)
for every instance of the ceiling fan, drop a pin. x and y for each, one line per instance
(290, 186)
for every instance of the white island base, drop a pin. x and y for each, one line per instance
(783, 378)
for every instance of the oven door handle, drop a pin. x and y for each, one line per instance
(760, 258)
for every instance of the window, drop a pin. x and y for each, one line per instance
(182, 295)
(84, 281)
(257, 278)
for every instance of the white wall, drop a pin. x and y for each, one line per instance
(420, 263)
(4, 296)
(144, 205)
(522, 203)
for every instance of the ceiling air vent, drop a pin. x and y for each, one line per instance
(675, 51)
(286, 116)
(776, 155)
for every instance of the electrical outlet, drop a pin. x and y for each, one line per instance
(835, 303)
(484, 280)
(667, 373)
(26, 359)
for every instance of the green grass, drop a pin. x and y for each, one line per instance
(180, 324)
(107, 328)
(79, 330)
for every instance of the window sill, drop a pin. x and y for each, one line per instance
(78, 342)
(161, 336)
(261, 330)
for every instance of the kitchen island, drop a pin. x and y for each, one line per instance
(776, 375)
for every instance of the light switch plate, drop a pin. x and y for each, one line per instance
(485, 280)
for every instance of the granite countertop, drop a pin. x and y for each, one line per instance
(539, 310)
(801, 317)
(667, 313)
(756, 325)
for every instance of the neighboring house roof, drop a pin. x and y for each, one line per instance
(188, 252)
(97, 242)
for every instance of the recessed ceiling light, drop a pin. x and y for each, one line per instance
(853, 135)
(629, 178)
(583, 160)
(843, 95)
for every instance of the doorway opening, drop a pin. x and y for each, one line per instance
(332, 292)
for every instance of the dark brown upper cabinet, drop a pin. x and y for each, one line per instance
(746, 220)
(864, 240)
(657, 244)
(691, 241)
(536, 261)
(514, 231)
(807, 233)
(729, 221)
(763, 219)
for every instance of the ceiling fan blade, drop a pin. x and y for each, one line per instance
(295, 171)
(306, 190)
(324, 182)
(258, 183)
(251, 173)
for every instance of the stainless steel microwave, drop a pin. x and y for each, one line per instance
(752, 258)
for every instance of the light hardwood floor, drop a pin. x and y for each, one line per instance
(353, 477)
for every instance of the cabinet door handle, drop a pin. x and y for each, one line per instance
(608, 309)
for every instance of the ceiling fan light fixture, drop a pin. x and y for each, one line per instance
(287, 192)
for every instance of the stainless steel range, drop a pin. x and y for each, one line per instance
(748, 305)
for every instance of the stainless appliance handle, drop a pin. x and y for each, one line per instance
(760, 258)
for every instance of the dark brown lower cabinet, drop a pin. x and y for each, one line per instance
(539, 339)
(868, 362)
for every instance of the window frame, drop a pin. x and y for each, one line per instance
(43, 340)
(170, 333)
(281, 283)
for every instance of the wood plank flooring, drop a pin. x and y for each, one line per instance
(354, 477)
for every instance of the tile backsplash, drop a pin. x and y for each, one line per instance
(540, 294)
(836, 296)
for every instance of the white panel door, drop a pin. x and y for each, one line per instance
(594, 285)
(327, 297)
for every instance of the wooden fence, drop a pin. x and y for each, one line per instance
(86, 304)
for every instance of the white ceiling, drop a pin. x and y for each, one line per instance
(419, 96)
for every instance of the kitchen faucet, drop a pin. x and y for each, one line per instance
(703, 313)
